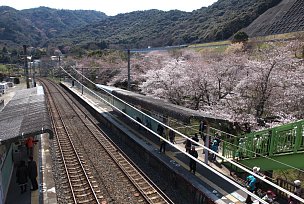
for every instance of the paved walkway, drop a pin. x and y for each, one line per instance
(14, 195)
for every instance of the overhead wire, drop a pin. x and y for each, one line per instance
(217, 130)
(204, 147)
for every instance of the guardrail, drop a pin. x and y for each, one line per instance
(288, 138)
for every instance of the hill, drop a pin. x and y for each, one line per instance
(45, 27)
(36, 26)
(157, 28)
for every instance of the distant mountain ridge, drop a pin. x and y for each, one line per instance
(36, 26)
(47, 27)
(158, 28)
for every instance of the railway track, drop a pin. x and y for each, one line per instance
(79, 185)
(120, 179)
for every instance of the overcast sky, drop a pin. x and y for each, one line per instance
(110, 7)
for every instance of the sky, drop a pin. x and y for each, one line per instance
(110, 7)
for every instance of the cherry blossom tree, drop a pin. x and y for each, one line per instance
(270, 73)
(238, 85)
(241, 86)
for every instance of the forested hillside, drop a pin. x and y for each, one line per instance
(50, 27)
(36, 26)
(157, 28)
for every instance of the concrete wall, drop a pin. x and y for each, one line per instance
(6, 172)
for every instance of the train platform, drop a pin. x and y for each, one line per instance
(18, 100)
(46, 192)
(14, 194)
(221, 191)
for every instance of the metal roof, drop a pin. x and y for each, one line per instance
(26, 114)
(164, 107)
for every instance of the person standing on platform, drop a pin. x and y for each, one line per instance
(138, 120)
(258, 182)
(187, 143)
(195, 138)
(30, 145)
(214, 147)
(251, 180)
(32, 172)
(21, 175)
(192, 164)
(269, 197)
(172, 136)
(217, 137)
(160, 131)
(297, 191)
(163, 143)
(241, 148)
(201, 129)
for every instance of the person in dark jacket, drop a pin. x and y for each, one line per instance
(187, 143)
(192, 164)
(160, 130)
(195, 138)
(202, 127)
(172, 136)
(32, 172)
(21, 175)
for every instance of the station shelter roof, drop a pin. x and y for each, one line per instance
(164, 107)
(24, 115)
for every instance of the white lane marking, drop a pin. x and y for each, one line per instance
(238, 196)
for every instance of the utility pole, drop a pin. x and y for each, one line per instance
(59, 67)
(81, 80)
(34, 79)
(206, 144)
(129, 78)
(26, 68)
(34, 73)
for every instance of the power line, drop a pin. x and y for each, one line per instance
(186, 137)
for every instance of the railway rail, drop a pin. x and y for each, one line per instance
(108, 175)
(79, 188)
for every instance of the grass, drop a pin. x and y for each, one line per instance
(220, 46)
(211, 44)
(211, 47)
(279, 36)
(4, 69)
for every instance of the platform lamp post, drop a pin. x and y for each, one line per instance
(26, 67)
